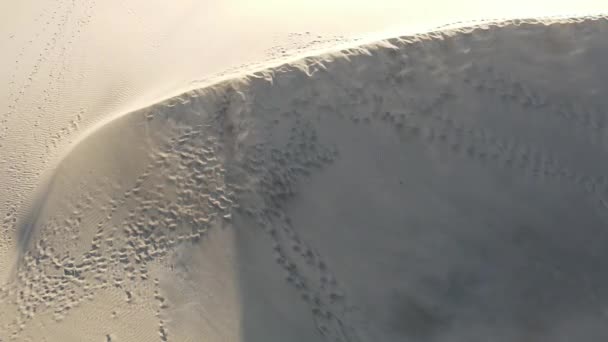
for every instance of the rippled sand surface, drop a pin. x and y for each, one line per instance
(442, 186)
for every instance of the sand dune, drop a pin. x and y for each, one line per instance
(445, 186)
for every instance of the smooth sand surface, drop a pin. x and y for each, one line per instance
(309, 185)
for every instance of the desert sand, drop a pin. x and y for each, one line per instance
(348, 184)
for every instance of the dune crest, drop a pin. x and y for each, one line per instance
(448, 186)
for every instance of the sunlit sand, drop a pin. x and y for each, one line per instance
(303, 171)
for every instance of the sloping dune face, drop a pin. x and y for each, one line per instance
(442, 187)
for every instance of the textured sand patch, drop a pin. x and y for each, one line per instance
(447, 186)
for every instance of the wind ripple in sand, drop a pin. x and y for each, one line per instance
(442, 187)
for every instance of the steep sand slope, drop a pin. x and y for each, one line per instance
(69, 66)
(442, 187)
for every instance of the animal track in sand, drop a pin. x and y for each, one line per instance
(242, 150)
